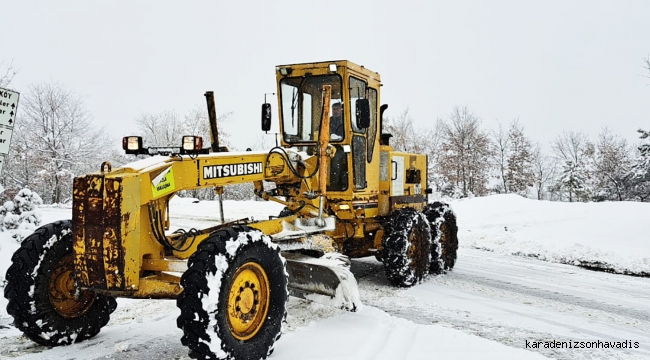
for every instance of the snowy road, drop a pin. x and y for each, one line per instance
(507, 299)
(491, 306)
(512, 299)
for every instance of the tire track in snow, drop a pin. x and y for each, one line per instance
(376, 292)
(553, 296)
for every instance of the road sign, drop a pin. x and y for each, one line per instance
(5, 140)
(8, 110)
(8, 107)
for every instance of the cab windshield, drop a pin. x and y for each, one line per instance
(302, 108)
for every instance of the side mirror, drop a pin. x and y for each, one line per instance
(363, 113)
(266, 117)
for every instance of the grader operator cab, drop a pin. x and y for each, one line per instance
(346, 192)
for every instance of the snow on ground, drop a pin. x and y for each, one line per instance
(488, 307)
(610, 235)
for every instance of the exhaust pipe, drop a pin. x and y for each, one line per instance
(212, 116)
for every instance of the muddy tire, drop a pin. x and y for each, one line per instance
(445, 232)
(43, 297)
(234, 296)
(406, 247)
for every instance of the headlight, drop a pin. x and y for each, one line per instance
(192, 143)
(132, 144)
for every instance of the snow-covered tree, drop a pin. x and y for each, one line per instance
(612, 167)
(572, 151)
(519, 173)
(167, 128)
(54, 140)
(573, 178)
(466, 151)
(7, 73)
(21, 213)
(161, 129)
(544, 172)
(407, 137)
(640, 174)
(501, 142)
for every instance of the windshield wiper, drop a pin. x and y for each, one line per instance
(294, 98)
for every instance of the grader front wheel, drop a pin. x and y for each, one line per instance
(65, 297)
(44, 300)
(234, 296)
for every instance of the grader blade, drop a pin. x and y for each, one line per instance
(325, 280)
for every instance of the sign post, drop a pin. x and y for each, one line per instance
(8, 110)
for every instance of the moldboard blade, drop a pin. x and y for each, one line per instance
(325, 280)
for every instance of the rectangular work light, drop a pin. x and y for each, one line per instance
(192, 143)
(132, 144)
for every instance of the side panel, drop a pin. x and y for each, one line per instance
(408, 180)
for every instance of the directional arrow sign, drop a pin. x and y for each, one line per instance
(8, 107)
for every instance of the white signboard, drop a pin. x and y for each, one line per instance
(8, 109)
(5, 140)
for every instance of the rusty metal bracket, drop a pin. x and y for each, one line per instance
(106, 165)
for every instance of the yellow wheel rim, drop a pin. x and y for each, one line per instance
(65, 297)
(248, 301)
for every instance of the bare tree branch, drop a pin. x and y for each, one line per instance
(7, 74)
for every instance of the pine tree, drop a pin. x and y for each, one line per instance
(640, 173)
(573, 179)
(519, 173)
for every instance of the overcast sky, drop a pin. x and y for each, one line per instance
(555, 65)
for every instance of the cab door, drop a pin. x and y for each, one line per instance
(397, 176)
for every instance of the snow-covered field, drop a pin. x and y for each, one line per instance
(495, 304)
(610, 235)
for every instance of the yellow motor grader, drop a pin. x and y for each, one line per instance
(346, 192)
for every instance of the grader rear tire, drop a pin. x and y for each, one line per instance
(234, 296)
(406, 247)
(44, 300)
(443, 228)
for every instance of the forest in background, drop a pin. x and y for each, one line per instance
(56, 139)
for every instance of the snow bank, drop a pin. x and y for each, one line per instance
(613, 236)
(373, 334)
